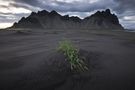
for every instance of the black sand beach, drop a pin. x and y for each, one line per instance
(30, 61)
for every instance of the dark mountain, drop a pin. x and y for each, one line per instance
(53, 20)
(102, 19)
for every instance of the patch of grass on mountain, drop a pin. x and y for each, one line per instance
(72, 55)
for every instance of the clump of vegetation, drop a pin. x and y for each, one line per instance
(71, 53)
(22, 32)
(19, 32)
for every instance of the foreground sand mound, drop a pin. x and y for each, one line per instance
(58, 74)
(52, 73)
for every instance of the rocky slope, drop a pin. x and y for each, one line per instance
(53, 20)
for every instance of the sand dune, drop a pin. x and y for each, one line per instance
(30, 61)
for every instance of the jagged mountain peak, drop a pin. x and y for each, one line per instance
(42, 13)
(54, 13)
(33, 13)
(108, 11)
(105, 13)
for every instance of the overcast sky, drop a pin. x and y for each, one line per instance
(12, 10)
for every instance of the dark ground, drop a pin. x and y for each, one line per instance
(29, 61)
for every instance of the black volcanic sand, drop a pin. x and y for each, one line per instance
(29, 60)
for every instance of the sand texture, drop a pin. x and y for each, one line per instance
(29, 60)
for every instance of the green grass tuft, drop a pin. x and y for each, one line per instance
(71, 52)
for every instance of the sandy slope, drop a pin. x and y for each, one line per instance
(29, 60)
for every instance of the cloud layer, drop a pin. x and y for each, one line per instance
(13, 10)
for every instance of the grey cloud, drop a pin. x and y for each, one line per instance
(124, 5)
(120, 7)
(28, 7)
(9, 17)
(3, 6)
(30, 2)
(75, 6)
(17, 5)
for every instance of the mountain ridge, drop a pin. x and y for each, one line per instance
(53, 20)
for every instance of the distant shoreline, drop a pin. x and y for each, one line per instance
(126, 30)
(129, 30)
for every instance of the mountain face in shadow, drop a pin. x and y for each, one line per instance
(53, 20)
